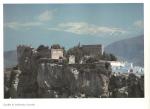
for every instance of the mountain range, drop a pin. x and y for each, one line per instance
(131, 50)
(10, 58)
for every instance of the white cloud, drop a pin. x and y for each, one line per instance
(46, 15)
(139, 24)
(87, 29)
(24, 25)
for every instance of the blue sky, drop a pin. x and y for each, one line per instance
(69, 24)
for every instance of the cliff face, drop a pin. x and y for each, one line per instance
(36, 76)
(27, 63)
(72, 81)
(41, 78)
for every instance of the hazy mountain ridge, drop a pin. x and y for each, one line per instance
(131, 49)
(10, 58)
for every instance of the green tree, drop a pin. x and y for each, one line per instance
(77, 52)
(55, 46)
(113, 57)
(108, 57)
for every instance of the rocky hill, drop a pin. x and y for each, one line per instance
(131, 49)
(37, 77)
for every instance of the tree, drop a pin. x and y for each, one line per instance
(55, 46)
(106, 56)
(77, 52)
(109, 57)
(40, 47)
(113, 57)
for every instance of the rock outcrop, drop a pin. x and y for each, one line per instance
(73, 81)
(126, 85)
(38, 76)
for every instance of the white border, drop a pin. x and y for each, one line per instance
(147, 52)
(73, 1)
(128, 103)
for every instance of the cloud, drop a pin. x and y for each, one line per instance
(139, 24)
(40, 19)
(24, 25)
(82, 28)
(46, 15)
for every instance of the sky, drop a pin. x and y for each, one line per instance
(69, 24)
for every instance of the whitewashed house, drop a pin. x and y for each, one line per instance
(56, 53)
(71, 59)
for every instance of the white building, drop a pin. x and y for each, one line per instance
(56, 53)
(116, 63)
(125, 67)
(71, 59)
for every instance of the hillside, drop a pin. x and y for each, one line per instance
(131, 49)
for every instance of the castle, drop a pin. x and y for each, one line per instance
(88, 50)
(92, 50)
(38, 76)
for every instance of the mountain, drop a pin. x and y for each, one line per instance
(131, 49)
(10, 58)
